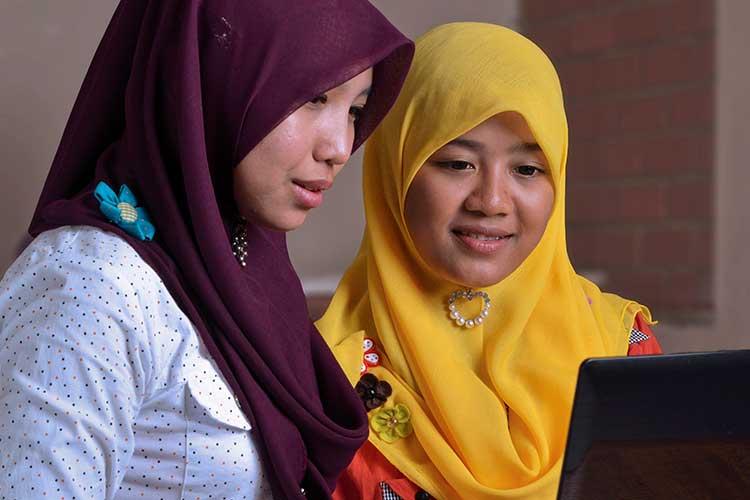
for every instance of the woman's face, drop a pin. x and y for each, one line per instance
(480, 204)
(286, 174)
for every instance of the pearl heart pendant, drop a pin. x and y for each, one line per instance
(468, 295)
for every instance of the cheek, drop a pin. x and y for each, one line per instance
(249, 184)
(282, 148)
(272, 158)
(424, 211)
(537, 208)
(278, 147)
(432, 206)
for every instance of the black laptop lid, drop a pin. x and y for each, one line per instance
(671, 426)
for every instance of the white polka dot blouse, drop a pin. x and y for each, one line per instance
(106, 390)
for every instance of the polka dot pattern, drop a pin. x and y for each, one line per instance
(106, 390)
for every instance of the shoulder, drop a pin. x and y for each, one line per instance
(83, 286)
(83, 248)
(82, 257)
(642, 340)
(81, 274)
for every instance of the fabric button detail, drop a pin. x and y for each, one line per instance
(124, 211)
(392, 424)
(372, 391)
(370, 357)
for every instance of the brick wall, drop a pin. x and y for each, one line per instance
(638, 78)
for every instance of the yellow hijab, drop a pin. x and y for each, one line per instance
(489, 406)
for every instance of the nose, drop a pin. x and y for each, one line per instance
(490, 194)
(334, 144)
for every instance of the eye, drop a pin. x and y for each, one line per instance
(528, 170)
(321, 99)
(455, 165)
(356, 112)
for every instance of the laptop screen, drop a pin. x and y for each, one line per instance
(653, 427)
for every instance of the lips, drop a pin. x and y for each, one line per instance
(482, 240)
(314, 185)
(309, 193)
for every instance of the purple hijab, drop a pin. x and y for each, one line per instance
(178, 92)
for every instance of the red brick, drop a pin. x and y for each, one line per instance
(672, 291)
(554, 40)
(591, 35)
(591, 203)
(644, 203)
(692, 16)
(599, 248)
(676, 153)
(653, 23)
(692, 107)
(580, 116)
(546, 9)
(623, 157)
(677, 63)
(646, 287)
(577, 77)
(607, 116)
(618, 158)
(617, 73)
(579, 164)
(691, 200)
(677, 292)
(675, 248)
(642, 24)
(704, 248)
(588, 119)
(680, 108)
(539, 9)
(688, 289)
(649, 113)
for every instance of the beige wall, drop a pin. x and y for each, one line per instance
(328, 241)
(733, 176)
(45, 48)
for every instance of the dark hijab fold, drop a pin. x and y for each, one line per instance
(179, 91)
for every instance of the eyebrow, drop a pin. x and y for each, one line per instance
(466, 143)
(520, 147)
(525, 147)
(366, 92)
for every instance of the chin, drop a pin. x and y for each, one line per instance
(478, 278)
(282, 224)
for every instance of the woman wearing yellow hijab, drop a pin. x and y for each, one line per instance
(472, 318)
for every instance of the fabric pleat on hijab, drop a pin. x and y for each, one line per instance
(490, 406)
(178, 92)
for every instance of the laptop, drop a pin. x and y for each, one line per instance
(660, 427)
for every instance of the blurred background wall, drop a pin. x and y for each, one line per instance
(656, 97)
(45, 49)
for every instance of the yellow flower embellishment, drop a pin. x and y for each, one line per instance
(392, 423)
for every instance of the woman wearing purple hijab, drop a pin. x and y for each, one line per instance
(154, 337)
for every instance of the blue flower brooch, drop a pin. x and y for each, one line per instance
(124, 211)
